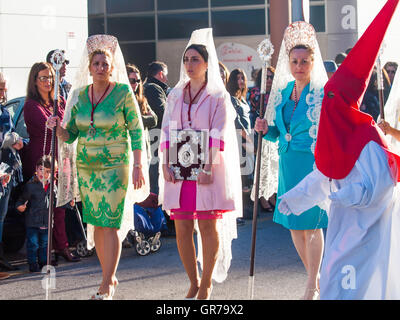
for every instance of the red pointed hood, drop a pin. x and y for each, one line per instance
(343, 129)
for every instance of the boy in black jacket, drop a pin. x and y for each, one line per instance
(35, 199)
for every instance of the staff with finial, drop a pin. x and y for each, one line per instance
(265, 50)
(380, 83)
(57, 60)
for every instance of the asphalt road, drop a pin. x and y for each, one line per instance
(279, 273)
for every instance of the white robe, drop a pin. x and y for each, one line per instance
(362, 246)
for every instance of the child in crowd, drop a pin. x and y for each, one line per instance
(34, 199)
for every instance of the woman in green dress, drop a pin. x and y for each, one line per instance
(102, 121)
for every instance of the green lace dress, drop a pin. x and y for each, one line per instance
(102, 161)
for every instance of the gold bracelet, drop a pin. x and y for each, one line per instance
(137, 165)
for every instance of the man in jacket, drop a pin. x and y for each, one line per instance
(156, 90)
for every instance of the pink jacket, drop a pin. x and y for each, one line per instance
(209, 113)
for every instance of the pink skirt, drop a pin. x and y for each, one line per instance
(187, 202)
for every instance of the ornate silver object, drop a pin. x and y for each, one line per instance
(187, 152)
(265, 49)
(57, 59)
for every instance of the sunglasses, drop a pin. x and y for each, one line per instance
(270, 77)
(44, 79)
(133, 81)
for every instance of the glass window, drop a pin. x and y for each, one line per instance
(132, 28)
(238, 23)
(21, 127)
(317, 17)
(140, 54)
(95, 7)
(177, 26)
(95, 26)
(12, 108)
(123, 6)
(181, 4)
(222, 3)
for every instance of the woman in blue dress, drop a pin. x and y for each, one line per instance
(292, 119)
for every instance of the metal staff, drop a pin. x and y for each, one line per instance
(380, 86)
(265, 50)
(57, 59)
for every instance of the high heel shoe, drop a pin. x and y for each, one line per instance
(194, 297)
(115, 285)
(104, 296)
(208, 295)
(311, 294)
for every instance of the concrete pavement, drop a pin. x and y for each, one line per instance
(279, 273)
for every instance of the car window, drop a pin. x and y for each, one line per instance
(12, 108)
(21, 127)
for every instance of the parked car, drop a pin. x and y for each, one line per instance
(16, 109)
(14, 223)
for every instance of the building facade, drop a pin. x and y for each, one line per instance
(30, 29)
(159, 29)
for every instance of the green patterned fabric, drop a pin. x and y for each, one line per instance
(102, 161)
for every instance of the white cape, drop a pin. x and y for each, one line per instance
(362, 247)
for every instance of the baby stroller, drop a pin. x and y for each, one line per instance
(81, 247)
(149, 222)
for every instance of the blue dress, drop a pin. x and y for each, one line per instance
(296, 159)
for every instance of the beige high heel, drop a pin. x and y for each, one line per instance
(105, 296)
(311, 294)
(208, 295)
(194, 297)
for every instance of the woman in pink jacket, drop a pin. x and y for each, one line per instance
(207, 196)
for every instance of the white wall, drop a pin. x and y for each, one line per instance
(30, 29)
(367, 11)
(341, 27)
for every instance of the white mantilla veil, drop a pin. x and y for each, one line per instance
(297, 33)
(67, 174)
(392, 112)
(227, 230)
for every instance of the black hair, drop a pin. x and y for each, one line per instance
(45, 161)
(201, 49)
(155, 67)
